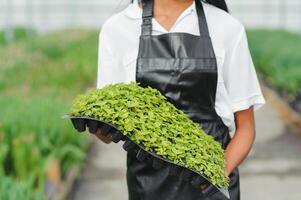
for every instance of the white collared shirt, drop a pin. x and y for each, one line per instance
(238, 87)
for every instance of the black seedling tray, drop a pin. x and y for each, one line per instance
(195, 178)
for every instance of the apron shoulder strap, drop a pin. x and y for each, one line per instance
(147, 15)
(202, 18)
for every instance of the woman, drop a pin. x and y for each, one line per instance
(197, 55)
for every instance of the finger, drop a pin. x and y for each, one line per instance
(98, 132)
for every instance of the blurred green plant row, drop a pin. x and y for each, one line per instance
(39, 77)
(277, 56)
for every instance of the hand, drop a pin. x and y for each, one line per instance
(227, 172)
(106, 139)
(227, 177)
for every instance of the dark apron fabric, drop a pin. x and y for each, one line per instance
(183, 67)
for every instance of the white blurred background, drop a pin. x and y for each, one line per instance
(54, 15)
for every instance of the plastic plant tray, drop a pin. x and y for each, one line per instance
(195, 178)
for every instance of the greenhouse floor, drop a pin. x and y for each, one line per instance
(272, 171)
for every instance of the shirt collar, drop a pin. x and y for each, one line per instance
(135, 12)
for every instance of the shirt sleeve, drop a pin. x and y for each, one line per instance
(240, 76)
(107, 65)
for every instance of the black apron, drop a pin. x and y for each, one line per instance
(184, 68)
